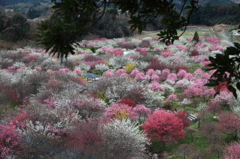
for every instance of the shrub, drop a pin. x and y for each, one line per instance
(129, 67)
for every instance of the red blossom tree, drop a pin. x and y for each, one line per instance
(164, 126)
(128, 102)
(183, 116)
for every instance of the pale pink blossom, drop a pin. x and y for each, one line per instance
(38, 68)
(155, 77)
(155, 86)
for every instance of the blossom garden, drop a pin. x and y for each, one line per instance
(138, 107)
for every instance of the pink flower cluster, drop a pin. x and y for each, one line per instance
(112, 51)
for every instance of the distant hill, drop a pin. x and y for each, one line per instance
(9, 2)
(236, 1)
(218, 2)
(215, 2)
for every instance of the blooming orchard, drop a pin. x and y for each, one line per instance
(142, 84)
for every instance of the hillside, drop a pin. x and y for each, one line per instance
(217, 2)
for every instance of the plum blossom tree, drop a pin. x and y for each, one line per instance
(224, 98)
(185, 150)
(128, 102)
(171, 98)
(88, 107)
(213, 108)
(155, 77)
(185, 102)
(232, 151)
(193, 91)
(120, 111)
(208, 94)
(183, 116)
(164, 126)
(122, 139)
(155, 86)
(85, 137)
(9, 143)
(181, 73)
(142, 111)
(134, 73)
(229, 124)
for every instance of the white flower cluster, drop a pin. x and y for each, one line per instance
(186, 83)
(119, 61)
(157, 44)
(168, 88)
(77, 57)
(83, 66)
(181, 40)
(99, 50)
(173, 49)
(204, 51)
(137, 41)
(169, 82)
(37, 127)
(153, 98)
(201, 106)
(141, 65)
(50, 63)
(235, 104)
(19, 64)
(117, 91)
(101, 67)
(123, 138)
(9, 78)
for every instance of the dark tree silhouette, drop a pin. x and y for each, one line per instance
(72, 19)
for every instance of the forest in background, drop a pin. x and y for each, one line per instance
(215, 14)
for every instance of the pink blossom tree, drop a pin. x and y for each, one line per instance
(181, 73)
(229, 124)
(109, 73)
(171, 98)
(142, 111)
(232, 151)
(224, 98)
(155, 86)
(134, 73)
(120, 111)
(155, 77)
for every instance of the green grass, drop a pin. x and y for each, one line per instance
(193, 67)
